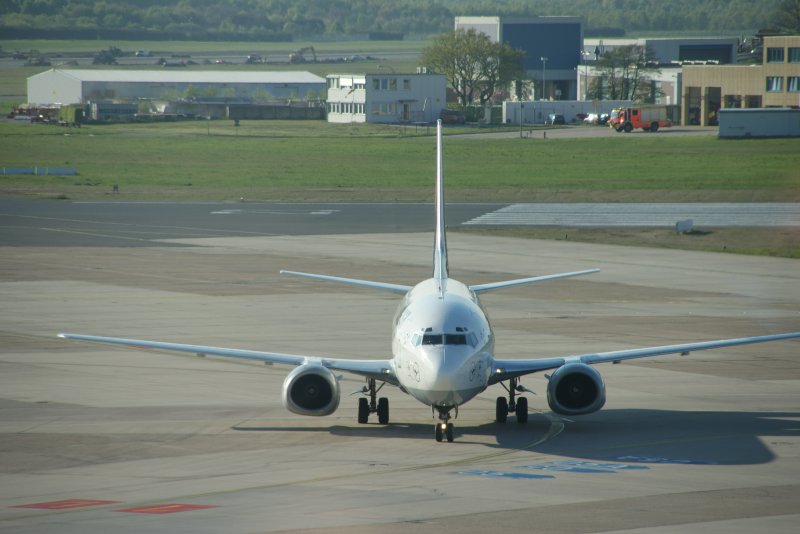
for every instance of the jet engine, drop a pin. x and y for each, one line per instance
(311, 390)
(576, 389)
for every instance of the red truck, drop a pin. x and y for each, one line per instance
(648, 118)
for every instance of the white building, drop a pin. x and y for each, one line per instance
(385, 98)
(76, 86)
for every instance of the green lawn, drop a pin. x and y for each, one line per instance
(276, 159)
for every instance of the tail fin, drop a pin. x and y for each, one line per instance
(440, 267)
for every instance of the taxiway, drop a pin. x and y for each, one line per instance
(99, 439)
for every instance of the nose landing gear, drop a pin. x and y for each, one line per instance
(444, 428)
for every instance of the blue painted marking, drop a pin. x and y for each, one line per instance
(659, 460)
(502, 474)
(574, 466)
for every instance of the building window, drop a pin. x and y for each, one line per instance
(384, 108)
(775, 55)
(794, 54)
(793, 84)
(733, 101)
(407, 83)
(774, 84)
(393, 84)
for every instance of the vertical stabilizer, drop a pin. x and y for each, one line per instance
(440, 268)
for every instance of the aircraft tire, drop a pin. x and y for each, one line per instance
(501, 410)
(522, 410)
(383, 411)
(438, 433)
(363, 411)
(449, 433)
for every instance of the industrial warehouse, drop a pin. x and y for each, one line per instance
(75, 86)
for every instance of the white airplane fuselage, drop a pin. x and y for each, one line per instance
(442, 344)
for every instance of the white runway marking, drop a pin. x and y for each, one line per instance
(639, 214)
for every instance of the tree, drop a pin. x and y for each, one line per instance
(787, 16)
(473, 64)
(625, 74)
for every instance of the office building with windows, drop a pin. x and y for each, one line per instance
(775, 83)
(385, 98)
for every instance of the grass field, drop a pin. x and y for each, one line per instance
(282, 160)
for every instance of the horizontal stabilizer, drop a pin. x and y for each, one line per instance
(395, 288)
(525, 281)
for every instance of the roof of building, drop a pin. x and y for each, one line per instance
(188, 76)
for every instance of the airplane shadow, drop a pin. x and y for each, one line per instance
(631, 435)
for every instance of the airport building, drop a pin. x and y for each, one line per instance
(386, 98)
(773, 83)
(720, 50)
(552, 47)
(79, 86)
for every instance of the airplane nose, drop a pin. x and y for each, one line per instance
(442, 367)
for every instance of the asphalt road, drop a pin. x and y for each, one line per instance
(67, 223)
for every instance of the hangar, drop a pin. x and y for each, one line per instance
(78, 86)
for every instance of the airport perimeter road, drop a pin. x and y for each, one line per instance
(98, 439)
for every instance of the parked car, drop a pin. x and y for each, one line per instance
(452, 116)
(594, 118)
(554, 118)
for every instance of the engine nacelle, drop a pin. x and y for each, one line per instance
(311, 390)
(576, 389)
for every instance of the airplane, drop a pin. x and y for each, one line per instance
(442, 351)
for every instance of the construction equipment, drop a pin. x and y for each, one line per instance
(298, 56)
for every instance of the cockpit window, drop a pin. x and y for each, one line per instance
(432, 339)
(461, 338)
(455, 339)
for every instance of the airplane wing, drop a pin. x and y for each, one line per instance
(381, 370)
(525, 281)
(395, 288)
(505, 369)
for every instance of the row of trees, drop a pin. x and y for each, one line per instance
(314, 18)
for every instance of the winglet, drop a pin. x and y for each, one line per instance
(440, 267)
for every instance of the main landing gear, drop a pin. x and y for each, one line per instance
(513, 404)
(373, 404)
(444, 428)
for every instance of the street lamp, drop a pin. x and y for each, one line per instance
(544, 68)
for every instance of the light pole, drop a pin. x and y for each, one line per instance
(584, 53)
(544, 69)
